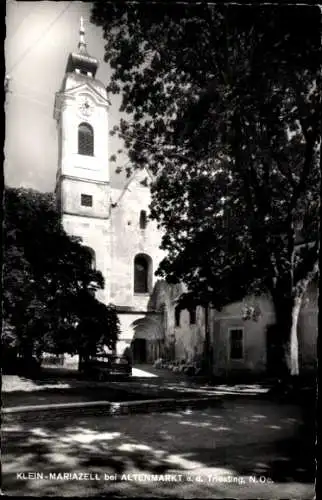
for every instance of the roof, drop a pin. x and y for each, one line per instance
(81, 61)
(118, 193)
(72, 80)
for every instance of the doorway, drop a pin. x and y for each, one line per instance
(139, 351)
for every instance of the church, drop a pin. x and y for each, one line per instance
(113, 223)
(125, 244)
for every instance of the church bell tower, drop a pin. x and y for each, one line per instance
(82, 182)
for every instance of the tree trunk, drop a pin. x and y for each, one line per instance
(82, 358)
(287, 312)
(26, 350)
(207, 350)
(293, 345)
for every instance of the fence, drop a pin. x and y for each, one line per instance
(53, 359)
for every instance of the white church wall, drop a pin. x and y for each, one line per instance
(95, 235)
(128, 240)
(71, 192)
(92, 168)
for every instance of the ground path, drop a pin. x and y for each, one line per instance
(62, 386)
(244, 449)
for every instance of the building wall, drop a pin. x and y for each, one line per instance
(139, 317)
(90, 167)
(73, 188)
(308, 329)
(308, 332)
(184, 341)
(145, 326)
(254, 342)
(189, 338)
(95, 235)
(128, 240)
(254, 335)
(94, 167)
(79, 174)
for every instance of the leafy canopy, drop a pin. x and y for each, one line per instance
(223, 105)
(49, 282)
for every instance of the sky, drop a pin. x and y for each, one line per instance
(40, 36)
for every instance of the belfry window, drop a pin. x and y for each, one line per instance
(85, 140)
(142, 273)
(86, 200)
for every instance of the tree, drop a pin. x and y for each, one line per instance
(223, 105)
(49, 282)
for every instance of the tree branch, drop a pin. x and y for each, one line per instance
(311, 135)
(217, 66)
(285, 173)
(301, 185)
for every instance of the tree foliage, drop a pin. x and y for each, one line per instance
(223, 106)
(49, 283)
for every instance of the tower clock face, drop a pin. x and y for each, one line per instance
(85, 106)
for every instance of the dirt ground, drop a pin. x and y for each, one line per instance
(243, 449)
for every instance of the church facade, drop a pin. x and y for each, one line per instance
(125, 244)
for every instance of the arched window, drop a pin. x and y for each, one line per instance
(143, 219)
(85, 140)
(91, 257)
(142, 273)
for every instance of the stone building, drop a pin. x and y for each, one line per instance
(241, 345)
(114, 223)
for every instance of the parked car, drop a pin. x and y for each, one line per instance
(106, 366)
(190, 370)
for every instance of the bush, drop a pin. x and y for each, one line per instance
(158, 363)
(9, 361)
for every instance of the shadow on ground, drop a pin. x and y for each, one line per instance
(69, 395)
(237, 441)
(57, 385)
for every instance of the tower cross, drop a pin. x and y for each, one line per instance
(82, 42)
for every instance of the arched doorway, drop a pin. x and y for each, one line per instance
(148, 339)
